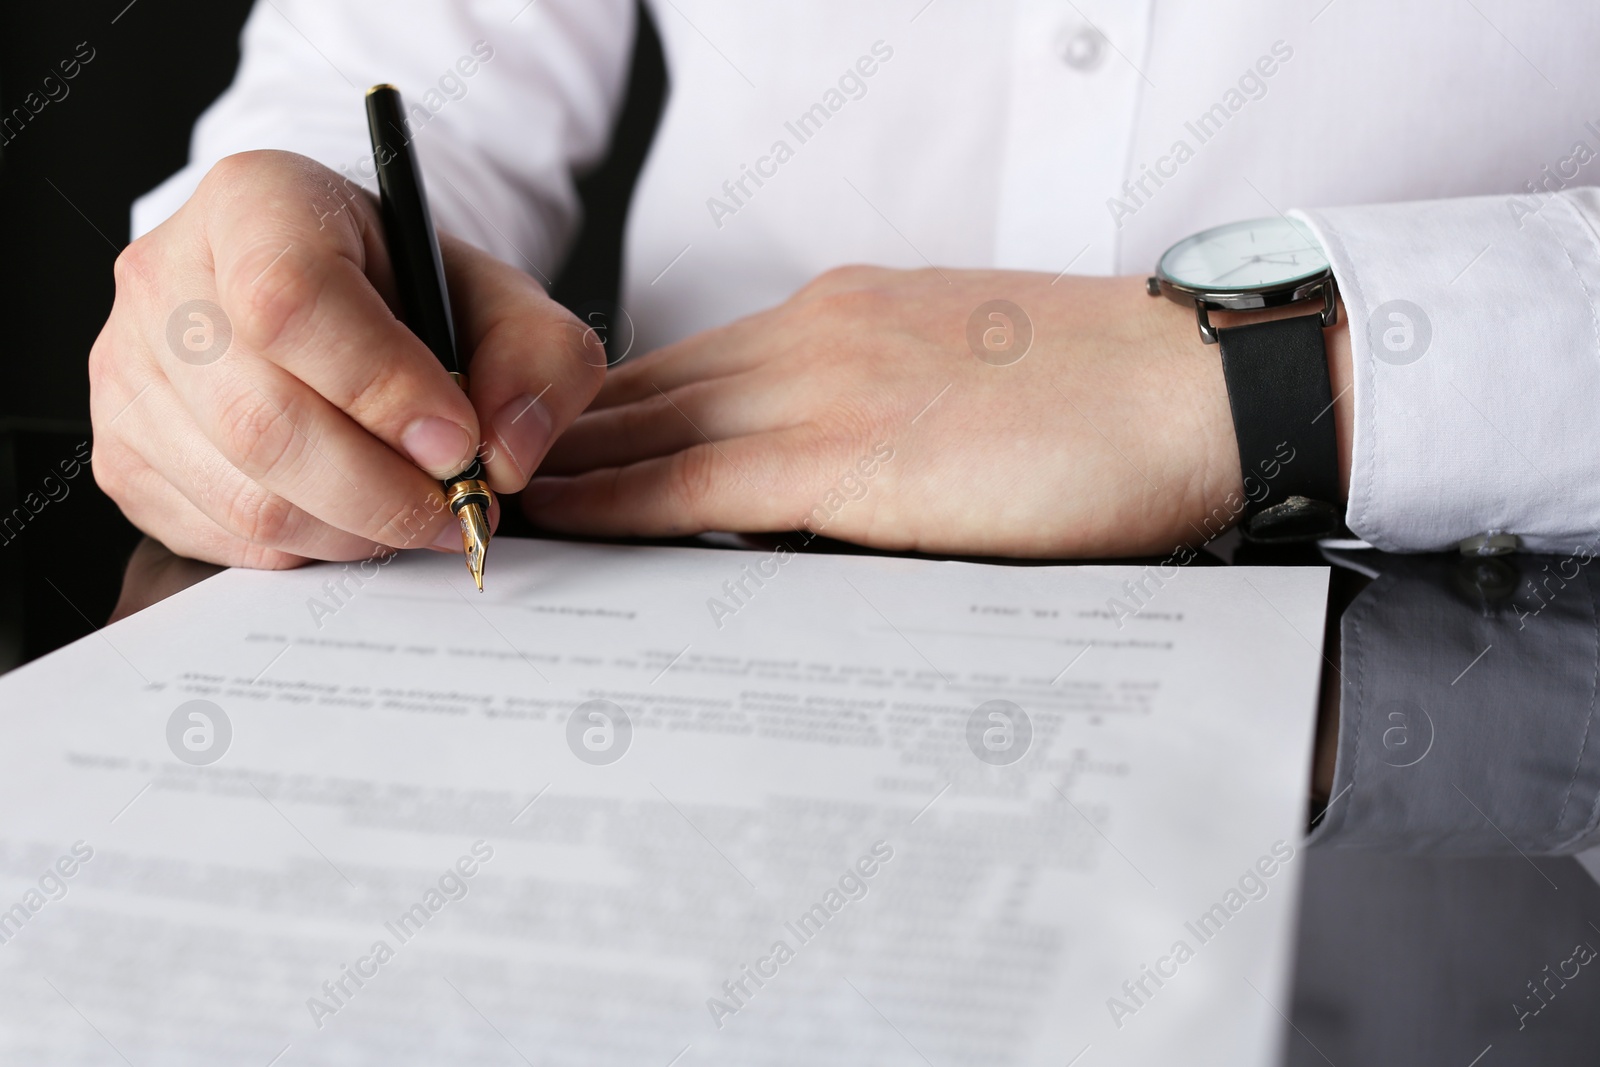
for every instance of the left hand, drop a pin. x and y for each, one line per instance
(857, 409)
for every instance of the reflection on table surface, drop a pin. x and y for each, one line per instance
(1443, 918)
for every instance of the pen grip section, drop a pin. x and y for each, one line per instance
(468, 487)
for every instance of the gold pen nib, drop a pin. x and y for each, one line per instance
(474, 519)
(470, 499)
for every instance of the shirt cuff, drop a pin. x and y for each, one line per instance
(1476, 351)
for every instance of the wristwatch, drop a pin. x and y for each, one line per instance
(1276, 372)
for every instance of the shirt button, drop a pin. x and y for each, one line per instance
(1082, 49)
(1490, 544)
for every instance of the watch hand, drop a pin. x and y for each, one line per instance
(1248, 262)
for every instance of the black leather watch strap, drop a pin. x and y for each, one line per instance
(1277, 375)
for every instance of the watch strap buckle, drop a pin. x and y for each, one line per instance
(1328, 316)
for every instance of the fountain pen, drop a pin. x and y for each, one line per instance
(424, 300)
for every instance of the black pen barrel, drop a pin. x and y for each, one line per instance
(408, 227)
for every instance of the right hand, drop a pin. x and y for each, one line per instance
(323, 427)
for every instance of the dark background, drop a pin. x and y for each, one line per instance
(68, 176)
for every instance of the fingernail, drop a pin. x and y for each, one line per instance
(523, 428)
(542, 491)
(437, 445)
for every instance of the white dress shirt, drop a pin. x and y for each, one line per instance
(1043, 135)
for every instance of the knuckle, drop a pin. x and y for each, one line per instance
(585, 350)
(841, 315)
(286, 189)
(110, 474)
(693, 476)
(260, 517)
(577, 340)
(855, 302)
(118, 364)
(267, 303)
(101, 364)
(210, 542)
(256, 435)
(232, 170)
(636, 422)
(592, 366)
(133, 265)
(250, 172)
(572, 328)
(377, 391)
(844, 276)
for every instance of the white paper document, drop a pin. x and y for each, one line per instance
(664, 806)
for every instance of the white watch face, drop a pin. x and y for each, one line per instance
(1260, 253)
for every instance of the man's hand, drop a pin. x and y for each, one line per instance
(883, 407)
(256, 402)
